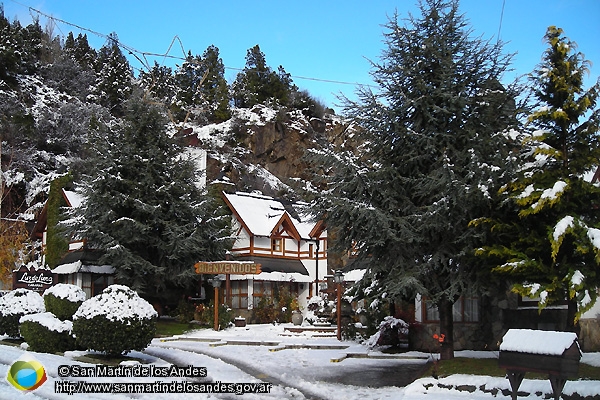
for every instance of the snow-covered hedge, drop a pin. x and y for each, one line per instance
(16, 304)
(115, 322)
(45, 333)
(63, 300)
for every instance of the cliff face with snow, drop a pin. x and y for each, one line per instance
(264, 149)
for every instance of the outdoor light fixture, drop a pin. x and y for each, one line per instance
(216, 283)
(338, 278)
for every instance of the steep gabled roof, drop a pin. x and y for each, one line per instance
(263, 215)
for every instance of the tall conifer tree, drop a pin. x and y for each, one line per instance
(114, 79)
(432, 153)
(144, 208)
(552, 248)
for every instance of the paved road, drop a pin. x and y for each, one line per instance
(356, 372)
(380, 376)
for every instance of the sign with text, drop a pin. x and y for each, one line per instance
(34, 279)
(227, 267)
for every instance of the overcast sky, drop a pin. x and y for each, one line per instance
(321, 40)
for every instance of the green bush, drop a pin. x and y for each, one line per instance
(115, 322)
(185, 311)
(16, 304)
(45, 333)
(63, 300)
(265, 311)
(207, 315)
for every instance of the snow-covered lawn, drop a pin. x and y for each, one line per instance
(237, 355)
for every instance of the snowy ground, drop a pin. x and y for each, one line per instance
(297, 372)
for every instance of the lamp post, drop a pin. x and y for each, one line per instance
(338, 278)
(216, 284)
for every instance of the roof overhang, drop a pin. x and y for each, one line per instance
(272, 264)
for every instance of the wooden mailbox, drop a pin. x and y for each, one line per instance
(554, 353)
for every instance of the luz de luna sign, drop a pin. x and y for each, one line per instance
(227, 267)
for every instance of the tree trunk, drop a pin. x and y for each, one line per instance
(572, 326)
(446, 330)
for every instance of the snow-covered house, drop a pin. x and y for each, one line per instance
(289, 245)
(79, 266)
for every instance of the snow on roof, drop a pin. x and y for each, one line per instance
(74, 199)
(77, 266)
(72, 293)
(274, 276)
(49, 320)
(537, 342)
(261, 213)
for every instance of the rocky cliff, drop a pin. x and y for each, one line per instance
(263, 149)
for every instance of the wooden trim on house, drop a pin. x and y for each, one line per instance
(237, 215)
(286, 224)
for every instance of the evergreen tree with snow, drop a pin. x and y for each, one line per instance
(144, 208)
(189, 102)
(159, 83)
(259, 84)
(114, 79)
(432, 154)
(202, 93)
(550, 244)
(215, 88)
(80, 50)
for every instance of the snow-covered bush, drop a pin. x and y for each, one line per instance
(318, 308)
(63, 300)
(16, 304)
(392, 332)
(46, 333)
(115, 322)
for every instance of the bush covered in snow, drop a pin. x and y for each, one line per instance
(318, 308)
(392, 332)
(63, 300)
(16, 304)
(45, 333)
(115, 321)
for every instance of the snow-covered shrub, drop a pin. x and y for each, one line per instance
(14, 305)
(392, 332)
(115, 322)
(63, 300)
(318, 308)
(46, 333)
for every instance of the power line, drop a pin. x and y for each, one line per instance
(501, 18)
(143, 54)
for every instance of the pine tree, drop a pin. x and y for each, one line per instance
(202, 91)
(551, 244)
(144, 208)
(215, 89)
(259, 84)
(189, 102)
(432, 153)
(114, 79)
(80, 50)
(10, 54)
(159, 82)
